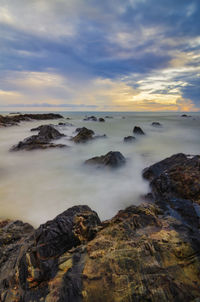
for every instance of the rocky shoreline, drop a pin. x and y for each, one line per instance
(149, 252)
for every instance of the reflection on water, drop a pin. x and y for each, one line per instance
(36, 186)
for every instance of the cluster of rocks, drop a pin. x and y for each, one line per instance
(42, 140)
(145, 253)
(14, 120)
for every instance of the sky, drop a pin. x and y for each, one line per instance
(100, 55)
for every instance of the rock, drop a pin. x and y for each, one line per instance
(108, 116)
(111, 159)
(185, 115)
(101, 119)
(139, 255)
(15, 119)
(144, 253)
(156, 124)
(83, 136)
(129, 139)
(40, 141)
(90, 118)
(137, 130)
(175, 184)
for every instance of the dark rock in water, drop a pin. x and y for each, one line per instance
(101, 119)
(35, 142)
(111, 159)
(175, 183)
(83, 135)
(185, 115)
(156, 124)
(49, 132)
(108, 116)
(68, 118)
(129, 139)
(40, 141)
(137, 130)
(90, 118)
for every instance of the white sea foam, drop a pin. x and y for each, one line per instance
(36, 186)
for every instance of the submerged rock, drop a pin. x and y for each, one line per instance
(84, 135)
(156, 124)
(129, 139)
(112, 159)
(101, 119)
(40, 141)
(137, 130)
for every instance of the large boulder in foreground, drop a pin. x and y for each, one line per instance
(139, 255)
(138, 131)
(84, 135)
(40, 141)
(113, 159)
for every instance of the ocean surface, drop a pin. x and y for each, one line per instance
(36, 186)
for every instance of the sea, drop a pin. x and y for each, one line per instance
(35, 186)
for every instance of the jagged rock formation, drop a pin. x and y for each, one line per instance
(40, 141)
(142, 254)
(112, 159)
(15, 119)
(137, 130)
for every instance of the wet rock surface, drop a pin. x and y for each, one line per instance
(138, 131)
(113, 159)
(101, 119)
(40, 141)
(84, 135)
(144, 253)
(175, 183)
(13, 120)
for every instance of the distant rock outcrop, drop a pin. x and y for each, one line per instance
(137, 130)
(15, 119)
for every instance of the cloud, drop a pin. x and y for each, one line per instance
(91, 52)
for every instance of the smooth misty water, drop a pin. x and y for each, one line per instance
(36, 186)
